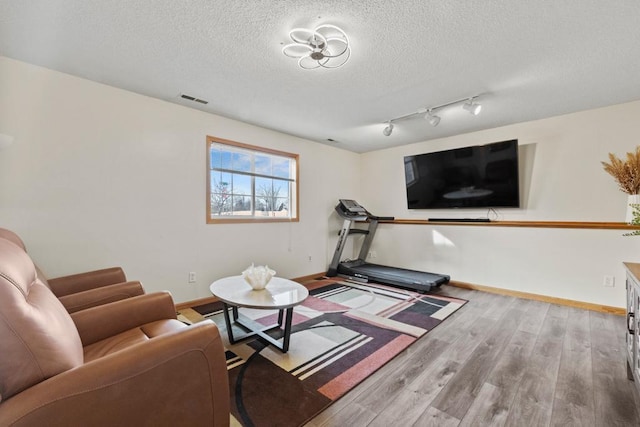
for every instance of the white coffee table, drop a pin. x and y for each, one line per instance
(280, 294)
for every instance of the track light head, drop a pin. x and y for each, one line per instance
(387, 131)
(431, 118)
(472, 107)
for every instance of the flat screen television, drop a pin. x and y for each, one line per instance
(482, 176)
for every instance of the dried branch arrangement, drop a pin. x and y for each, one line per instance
(625, 172)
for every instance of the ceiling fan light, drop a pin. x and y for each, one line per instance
(295, 50)
(308, 63)
(326, 46)
(304, 36)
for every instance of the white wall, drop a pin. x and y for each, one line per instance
(99, 176)
(561, 180)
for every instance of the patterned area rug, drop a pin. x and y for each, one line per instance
(341, 334)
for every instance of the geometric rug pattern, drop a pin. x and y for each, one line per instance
(342, 333)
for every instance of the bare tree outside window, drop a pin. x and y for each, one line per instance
(241, 204)
(220, 197)
(268, 194)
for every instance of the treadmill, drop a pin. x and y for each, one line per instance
(363, 271)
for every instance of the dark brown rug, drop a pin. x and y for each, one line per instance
(341, 334)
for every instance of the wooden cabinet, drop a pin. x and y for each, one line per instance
(633, 322)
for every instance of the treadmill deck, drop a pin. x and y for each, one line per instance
(419, 280)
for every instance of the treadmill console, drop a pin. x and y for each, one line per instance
(352, 206)
(351, 210)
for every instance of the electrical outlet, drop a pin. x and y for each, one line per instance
(192, 277)
(309, 257)
(609, 281)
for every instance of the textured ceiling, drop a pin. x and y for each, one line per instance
(527, 60)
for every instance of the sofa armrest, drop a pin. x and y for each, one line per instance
(97, 323)
(66, 285)
(176, 379)
(99, 296)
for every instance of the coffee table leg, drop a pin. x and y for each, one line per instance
(287, 328)
(280, 316)
(227, 321)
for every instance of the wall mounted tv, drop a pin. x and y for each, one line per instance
(482, 176)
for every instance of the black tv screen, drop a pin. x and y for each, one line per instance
(471, 177)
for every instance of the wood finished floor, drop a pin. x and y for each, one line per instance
(501, 361)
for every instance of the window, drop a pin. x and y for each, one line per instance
(250, 184)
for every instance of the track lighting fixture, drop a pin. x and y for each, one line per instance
(431, 118)
(429, 113)
(472, 107)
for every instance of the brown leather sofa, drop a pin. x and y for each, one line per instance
(84, 290)
(129, 362)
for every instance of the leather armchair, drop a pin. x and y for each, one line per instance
(84, 290)
(125, 363)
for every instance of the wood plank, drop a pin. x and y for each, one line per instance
(490, 407)
(535, 314)
(433, 417)
(470, 325)
(378, 397)
(459, 394)
(468, 338)
(534, 398)
(614, 395)
(561, 312)
(573, 400)
(505, 302)
(413, 400)
(508, 369)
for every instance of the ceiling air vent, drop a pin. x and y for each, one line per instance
(194, 99)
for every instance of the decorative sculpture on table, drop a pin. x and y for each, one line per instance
(258, 277)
